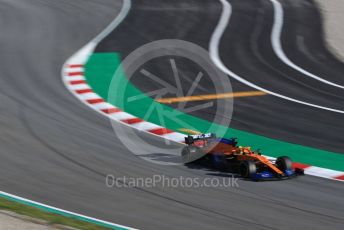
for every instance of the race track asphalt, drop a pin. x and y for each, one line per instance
(246, 50)
(56, 151)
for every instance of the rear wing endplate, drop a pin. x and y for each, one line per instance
(190, 139)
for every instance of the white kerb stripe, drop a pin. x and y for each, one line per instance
(102, 105)
(177, 137)
(88, 96)
(121, 116)
(78, 86)
(322, 172)
(74, 69)
(75, 78)
(144, 125)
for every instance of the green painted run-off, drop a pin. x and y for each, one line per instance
(100, 70)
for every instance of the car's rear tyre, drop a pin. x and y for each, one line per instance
(247, 169)
(185, 154)
(284, 163)
(191, 154)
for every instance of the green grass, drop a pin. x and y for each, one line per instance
(100, 70)
(51, 218)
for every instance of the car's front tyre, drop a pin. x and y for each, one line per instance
(248, 169)
(284, 163)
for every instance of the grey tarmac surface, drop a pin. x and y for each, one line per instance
(332, 16)
(56, 151)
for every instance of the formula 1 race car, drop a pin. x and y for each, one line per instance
(225, 154)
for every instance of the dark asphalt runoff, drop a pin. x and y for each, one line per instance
(246, 50)
(57, 151)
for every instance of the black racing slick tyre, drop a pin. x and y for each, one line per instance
(247, 169)
(284, 163)
(191, 154)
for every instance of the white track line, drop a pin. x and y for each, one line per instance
(80, 57)
(214, 54)
(91, 99)
(63, 212)
(278, 49)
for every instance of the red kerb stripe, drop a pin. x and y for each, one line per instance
(132, 120)
(77, 82)
(81, 91)
(160, 131)
(95, 101)
(112, 110)
(340, 177)
(75, 74)
(75, 66)
(299, 165)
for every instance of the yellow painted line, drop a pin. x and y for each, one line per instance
(189, 131)
(210, 97)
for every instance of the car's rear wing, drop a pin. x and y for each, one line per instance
(190, 139)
